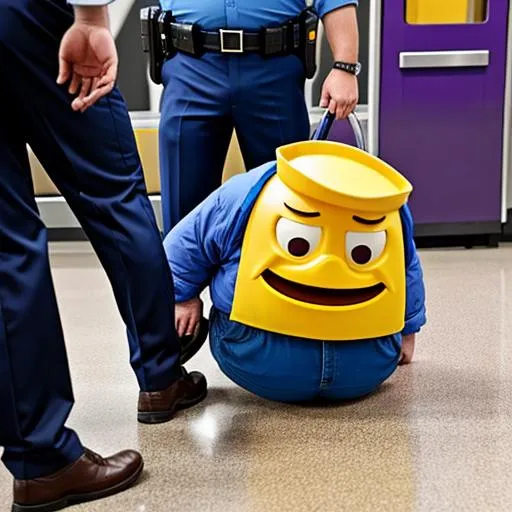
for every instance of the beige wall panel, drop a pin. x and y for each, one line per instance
(147, 143)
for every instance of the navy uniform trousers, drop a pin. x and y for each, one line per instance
(203, 99)
(92, 158)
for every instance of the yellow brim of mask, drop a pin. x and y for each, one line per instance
(341, 175)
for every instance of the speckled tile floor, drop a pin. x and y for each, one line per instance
(437, 437)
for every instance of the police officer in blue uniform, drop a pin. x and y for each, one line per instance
(81, 133)
(232, 77)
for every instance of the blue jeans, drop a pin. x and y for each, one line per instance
(203, 99)
(289, 369)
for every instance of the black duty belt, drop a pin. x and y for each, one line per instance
(190, 39)
(162, 37)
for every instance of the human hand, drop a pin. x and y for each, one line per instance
(88, 57)
(407, 353)
(340, 93)
(188, 315)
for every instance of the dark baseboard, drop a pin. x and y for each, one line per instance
(457, 229)
(463, 234)
(465, 241)
(66, 235)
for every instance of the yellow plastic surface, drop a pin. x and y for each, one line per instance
(326, 295)
(147, 143)
(424, 12)
(341, 175)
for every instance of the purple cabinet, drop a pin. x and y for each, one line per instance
(440, 116)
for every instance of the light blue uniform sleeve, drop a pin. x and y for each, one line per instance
(415, 311)
(193, 248)
(90, 3)
(323, 7)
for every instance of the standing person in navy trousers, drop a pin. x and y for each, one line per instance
(232, 83)
(81, 132)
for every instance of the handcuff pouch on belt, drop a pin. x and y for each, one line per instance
(152, 42)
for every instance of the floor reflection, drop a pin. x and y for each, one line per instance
(435, 437)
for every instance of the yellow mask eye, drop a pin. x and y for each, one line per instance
(296, 239)
(363, 247)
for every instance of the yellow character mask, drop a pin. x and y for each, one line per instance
(323, 253)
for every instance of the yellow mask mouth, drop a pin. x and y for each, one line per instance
(321, 296)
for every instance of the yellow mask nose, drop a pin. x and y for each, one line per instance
(326, 271)
(329, 269)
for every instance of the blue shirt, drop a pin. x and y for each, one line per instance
(204, 248)
(244, 14)
(90, 2)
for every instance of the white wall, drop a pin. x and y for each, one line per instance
(118, 12)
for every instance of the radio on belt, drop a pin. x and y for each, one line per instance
(309, 31)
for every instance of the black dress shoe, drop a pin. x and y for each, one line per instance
(190, 345)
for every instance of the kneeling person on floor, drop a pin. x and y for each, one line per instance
(316, 285)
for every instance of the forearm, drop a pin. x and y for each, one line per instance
(342, 33)
(192, 251)
(415, 311)
(191, 269)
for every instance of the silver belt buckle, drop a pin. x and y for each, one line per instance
(227, 48)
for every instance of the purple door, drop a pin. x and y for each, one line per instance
(441, 116)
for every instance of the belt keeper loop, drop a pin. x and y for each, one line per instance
(263, 42)
(274, 41)
(296, 34)
(289, 36)
(187, 38)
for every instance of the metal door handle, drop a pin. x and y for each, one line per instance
(444, 59)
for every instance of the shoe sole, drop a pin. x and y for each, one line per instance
(152, 418)
(189, 350)
(75, 499)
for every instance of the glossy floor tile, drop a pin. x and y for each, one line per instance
(437, 437)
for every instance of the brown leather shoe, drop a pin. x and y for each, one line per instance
(160, 406)
(91, 477)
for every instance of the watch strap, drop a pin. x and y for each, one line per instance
(346, 66)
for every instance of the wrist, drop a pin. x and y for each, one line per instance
(96, 16)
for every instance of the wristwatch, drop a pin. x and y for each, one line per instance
(353, 69)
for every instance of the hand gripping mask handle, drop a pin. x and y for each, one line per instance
(324, 127)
